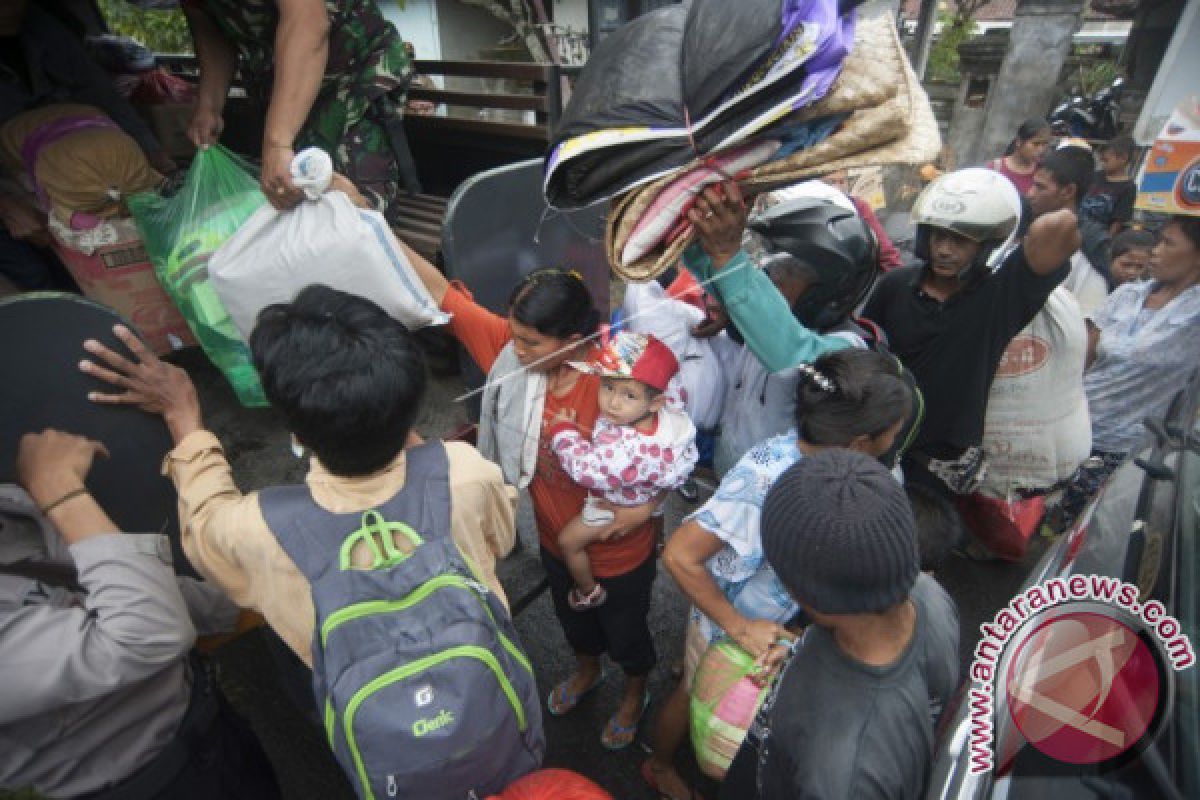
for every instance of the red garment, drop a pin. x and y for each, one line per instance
(1023, 182)
(889, 256)
(556, 498)
(685, 288)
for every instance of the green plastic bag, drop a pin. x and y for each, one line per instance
(725, 697)
(181, 232)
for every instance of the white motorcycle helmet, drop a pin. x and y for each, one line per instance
(977, 203)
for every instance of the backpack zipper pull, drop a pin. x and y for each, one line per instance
(392, 788)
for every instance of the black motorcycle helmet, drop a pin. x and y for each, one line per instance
(834, 244)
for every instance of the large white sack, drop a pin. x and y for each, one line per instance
(329, 241)
(1037, 429)
(1088, 286)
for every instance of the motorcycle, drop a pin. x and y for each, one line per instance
(1095, 117)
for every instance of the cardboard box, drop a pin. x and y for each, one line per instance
(110, 265)
(1170, 179)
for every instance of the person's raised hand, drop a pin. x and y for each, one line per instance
(276, 177)
(52, 463)
(205, 127)
(719, 217)
(146, 382)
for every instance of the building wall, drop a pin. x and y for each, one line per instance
(467, 30)
(417, 23)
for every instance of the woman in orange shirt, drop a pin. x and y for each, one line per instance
(551, 320)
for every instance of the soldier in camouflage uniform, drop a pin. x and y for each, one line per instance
(357, 112)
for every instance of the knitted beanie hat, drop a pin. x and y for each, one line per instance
(838, 531)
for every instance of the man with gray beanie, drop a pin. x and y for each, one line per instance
(853, 712)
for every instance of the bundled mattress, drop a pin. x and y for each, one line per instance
(764, 93)
(687, 81)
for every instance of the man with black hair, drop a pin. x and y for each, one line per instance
(348, 380)
(854, 710)
(1060, 182)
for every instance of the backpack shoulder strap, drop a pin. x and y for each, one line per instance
(425, 498)
(296, 520)
(312, 537)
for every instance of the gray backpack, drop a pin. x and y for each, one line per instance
(418, 676)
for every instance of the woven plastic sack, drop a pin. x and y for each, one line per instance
(181, 233)
(725, 698)
(75, 159)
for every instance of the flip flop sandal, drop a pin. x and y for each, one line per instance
(613, 737)
(566, 699)
(652, 781)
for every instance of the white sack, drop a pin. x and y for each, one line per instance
(329, 241)
(1088, 286)
(1037, 429)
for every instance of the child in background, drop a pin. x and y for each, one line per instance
(1131, 256)
(1021, 159)
(1109, 201)
(642, 444)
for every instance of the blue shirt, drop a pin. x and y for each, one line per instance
(733, 514)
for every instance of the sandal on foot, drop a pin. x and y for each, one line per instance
(562, 700)
(652, 781)
(586, 602)
(618, 737)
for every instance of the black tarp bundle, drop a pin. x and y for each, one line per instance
(686, 81)
(874, 113)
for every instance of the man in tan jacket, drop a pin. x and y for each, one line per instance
(348, 381)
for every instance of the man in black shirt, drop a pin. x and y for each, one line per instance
(950, 318)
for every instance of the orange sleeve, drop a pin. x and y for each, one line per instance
(483, 333)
